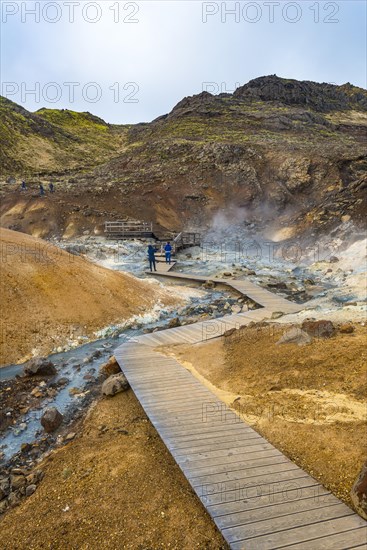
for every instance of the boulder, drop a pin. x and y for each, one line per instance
(115, 384)
(39, 366)
(358, 492)
(319, 329)
(51, 419)
(295, 336)
(333, 259)
(109, 368)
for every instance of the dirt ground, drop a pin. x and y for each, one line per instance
(116, 486)
(307, 401)
(50, 296)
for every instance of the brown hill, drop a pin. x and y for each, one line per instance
(275, 149)
(49, 295)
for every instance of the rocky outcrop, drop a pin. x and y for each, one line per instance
(320, 97)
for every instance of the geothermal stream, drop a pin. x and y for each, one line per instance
(78, 368)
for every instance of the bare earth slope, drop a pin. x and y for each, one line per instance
(46, 291)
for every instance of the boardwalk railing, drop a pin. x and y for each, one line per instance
(124, 230)
(186, 240)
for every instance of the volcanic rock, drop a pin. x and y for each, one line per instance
(51, 419)
(39, 366)
(116, 383)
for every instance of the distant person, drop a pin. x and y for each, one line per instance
(23, 187)
(51, 188)
(151, 258)
(168, 252)
(42, 190)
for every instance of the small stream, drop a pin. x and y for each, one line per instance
(80, 367)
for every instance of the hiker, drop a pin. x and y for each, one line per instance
(51, 188)
(151, 257)
(23, 187)
(168, 252)
(42, 190)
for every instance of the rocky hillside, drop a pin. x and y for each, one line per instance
(277, 153)
(51, 140)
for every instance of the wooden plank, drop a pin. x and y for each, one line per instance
(286, 523)
(340, 541)
(269, 496)
(297, 535)
(242, 473)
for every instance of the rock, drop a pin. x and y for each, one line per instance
(346, 328)
(227, 274)
(4, 487)
(36, 392)
(13, 499)
(115, 384)
(39, 366)
(30, 490)
(25, 447)
(97, 353)
(319, 329)
(17, 481)
(358, 493)
(277, 314)
(51, 419)
(175, 322)
(63, 381)
(310, 282)
(236, 309)
(70, 436)
(295, 336)
(74, 391)
(111, 367)
(279, 285)
(333, 259)
(209, 284)
(3, 506)
(345, 218)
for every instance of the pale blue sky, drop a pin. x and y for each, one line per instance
(170, 51)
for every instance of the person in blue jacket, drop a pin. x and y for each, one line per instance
(168, 251)
(151, 257)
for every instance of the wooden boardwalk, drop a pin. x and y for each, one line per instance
(257, 497)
